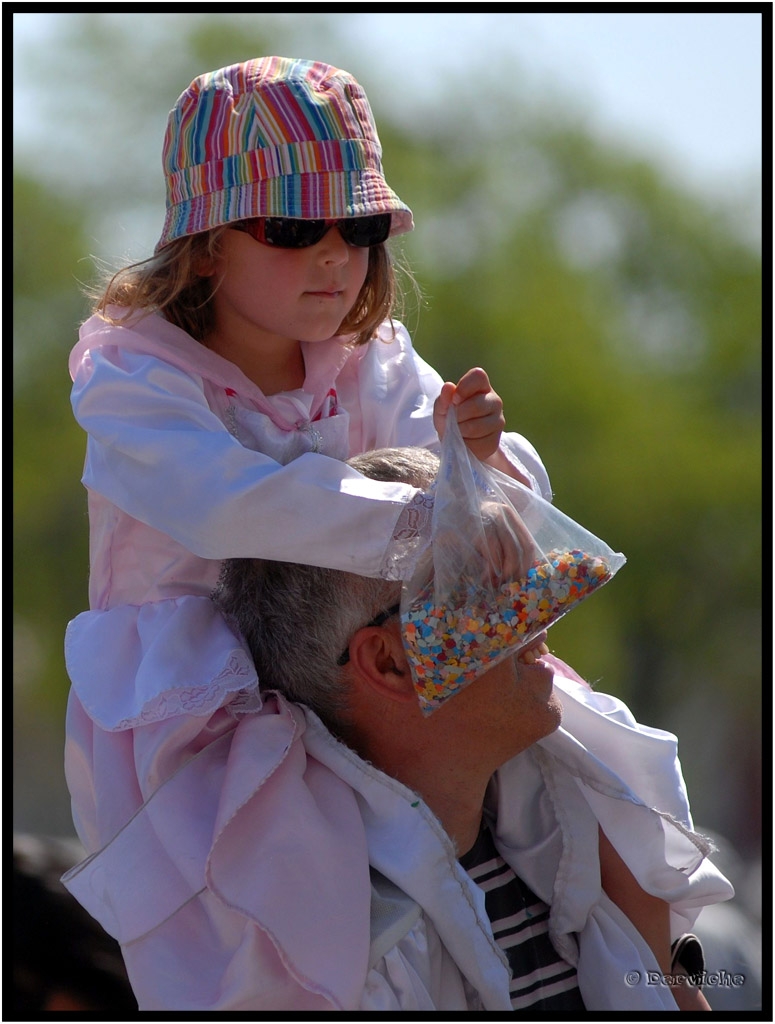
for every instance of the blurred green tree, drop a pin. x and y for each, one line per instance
(621, 321)
(50, 541)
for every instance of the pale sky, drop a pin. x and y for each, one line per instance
(684, 85)
(681, 89)
(688, 82)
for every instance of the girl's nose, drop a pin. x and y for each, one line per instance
(332, 247)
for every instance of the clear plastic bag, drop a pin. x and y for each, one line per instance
(503, 566)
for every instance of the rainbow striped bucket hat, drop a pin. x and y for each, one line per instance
(273, 137)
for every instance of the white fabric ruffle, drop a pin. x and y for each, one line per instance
(132, 665)
(261, 842)
(247, 831)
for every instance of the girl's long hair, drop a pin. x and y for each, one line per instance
(171, 283)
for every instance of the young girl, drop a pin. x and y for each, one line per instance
(221, 384)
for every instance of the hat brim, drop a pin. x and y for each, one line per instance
(332, 195)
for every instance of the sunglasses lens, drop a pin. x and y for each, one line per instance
(365, 231)
(286, 233)
(290, 233)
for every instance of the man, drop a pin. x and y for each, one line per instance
(487, 828)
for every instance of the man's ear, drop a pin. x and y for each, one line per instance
(378, 660)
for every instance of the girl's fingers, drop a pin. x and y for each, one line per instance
(474, 382)
(441, 407)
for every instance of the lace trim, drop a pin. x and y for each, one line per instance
(200, 700)
(315, 437)
(415, 519)
(245, 702)
(231, 421)
(411, 537)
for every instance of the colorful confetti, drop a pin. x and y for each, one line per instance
(450, 645)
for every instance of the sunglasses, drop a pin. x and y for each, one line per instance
(378, 620)
(293, 233)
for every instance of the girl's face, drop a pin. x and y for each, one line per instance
(268, 298)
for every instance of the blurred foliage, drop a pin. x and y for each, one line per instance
(50, 533)
(618, 316)
(620, 321)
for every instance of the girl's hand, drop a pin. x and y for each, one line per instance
(479, 412)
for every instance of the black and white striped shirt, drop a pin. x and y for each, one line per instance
(540, 978)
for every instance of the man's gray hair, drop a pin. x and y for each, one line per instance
(298, 619)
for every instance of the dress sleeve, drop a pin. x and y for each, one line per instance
(393, 402)
(157, 451)
(521, 454)
(389, 391)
